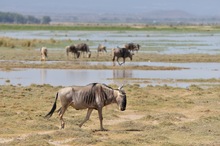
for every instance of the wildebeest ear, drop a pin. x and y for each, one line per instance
(119, 88)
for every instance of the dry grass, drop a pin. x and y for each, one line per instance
(158, 115)
(24, 43)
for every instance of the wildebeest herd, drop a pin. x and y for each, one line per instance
(94, 95)
(76, 50)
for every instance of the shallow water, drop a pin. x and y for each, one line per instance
(153, 41)
(167, 42)
(191, 65)
(68, 77)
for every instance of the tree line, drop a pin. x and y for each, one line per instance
(7, 17)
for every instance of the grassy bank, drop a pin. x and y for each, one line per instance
(172, 116)
(108, 27)
(57, 59)
(29, 50)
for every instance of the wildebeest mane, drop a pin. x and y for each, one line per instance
(106, 93)
(94, 84)
(96, 90)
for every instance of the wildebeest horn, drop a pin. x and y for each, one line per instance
(119, 88)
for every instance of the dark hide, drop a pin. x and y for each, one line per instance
(72, 49)
(132, 47)
(121, 53)
(84, 48)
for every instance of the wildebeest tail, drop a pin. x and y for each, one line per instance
(53, 108)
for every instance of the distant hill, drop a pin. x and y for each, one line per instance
(168, 14)
(114, 11)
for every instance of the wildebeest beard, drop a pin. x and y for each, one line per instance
(124, 102)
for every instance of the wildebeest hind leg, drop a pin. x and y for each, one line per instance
(61, 113)
(87, 117)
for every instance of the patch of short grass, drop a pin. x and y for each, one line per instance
(159, 115)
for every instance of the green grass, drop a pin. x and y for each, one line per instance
(65, 28)
(108, 27)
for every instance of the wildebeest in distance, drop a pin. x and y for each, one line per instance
(43, 53)
(84, 48)
(72, 49)
(132, 47)
(92, 96)
(121, 53)
(101, 48)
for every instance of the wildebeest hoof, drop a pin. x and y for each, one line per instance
(119, 63)
(103, 129)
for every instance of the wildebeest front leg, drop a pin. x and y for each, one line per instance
(101, 119)
(87, 117)
(121, 63)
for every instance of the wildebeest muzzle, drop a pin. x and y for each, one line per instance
(123, 103)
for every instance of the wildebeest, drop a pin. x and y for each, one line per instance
(43, 53)
(92, 96)
(72, 49)
(132, 47)
(121, 53)
(84, 48)
(101, 48)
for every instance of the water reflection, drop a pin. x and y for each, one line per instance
(68, 77)
(122, 76)
(43, 75)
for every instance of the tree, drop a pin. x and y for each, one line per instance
(7, 17)
(32, 19)
(46, 20)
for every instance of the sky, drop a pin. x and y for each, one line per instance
(195, 7)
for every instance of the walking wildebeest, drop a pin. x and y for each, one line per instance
(84, 48)
(132, 47)
(92, 96)
(73, 50)
(121, 53)
(101, 48)
(43, 52)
